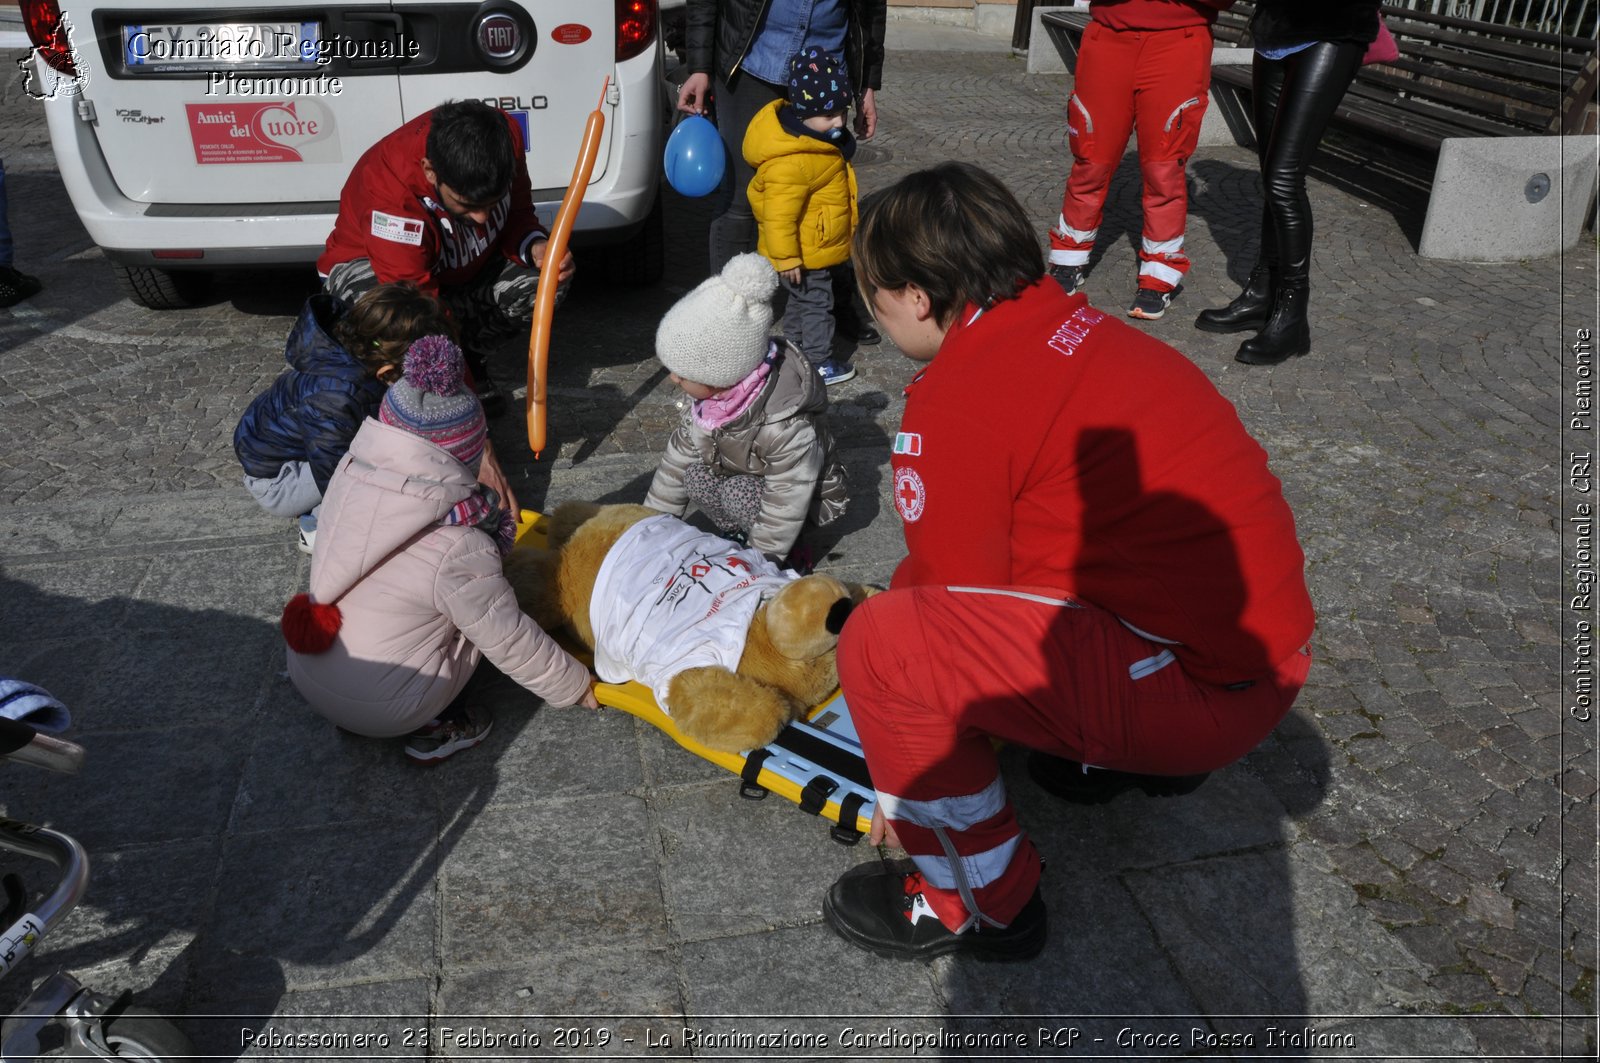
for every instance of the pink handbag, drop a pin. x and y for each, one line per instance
(1382, 49)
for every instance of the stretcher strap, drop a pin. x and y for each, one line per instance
(816, 794)
(849, 810)
(751, 772)
(825, 755)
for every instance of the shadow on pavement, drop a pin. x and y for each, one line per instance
(205, 802)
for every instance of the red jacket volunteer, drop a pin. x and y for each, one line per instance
(389, 212)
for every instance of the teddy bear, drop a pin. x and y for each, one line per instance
(732, 646)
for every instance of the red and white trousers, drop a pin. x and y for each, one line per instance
(1153, 81)
(931, 674)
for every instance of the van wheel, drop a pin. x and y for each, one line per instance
(162, 289)
(643, 258)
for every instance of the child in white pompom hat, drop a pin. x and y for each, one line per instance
(753, 453)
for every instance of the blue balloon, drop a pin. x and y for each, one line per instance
(695, 157)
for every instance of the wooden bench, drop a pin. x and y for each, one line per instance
(1502, 110)
(1460, 77)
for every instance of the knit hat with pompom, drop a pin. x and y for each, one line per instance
(717, 334)
(432, 400)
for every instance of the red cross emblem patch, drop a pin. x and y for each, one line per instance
(909, 495)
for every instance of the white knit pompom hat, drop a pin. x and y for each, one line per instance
(717, 334)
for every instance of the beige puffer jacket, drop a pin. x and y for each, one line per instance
(782, 437)
(420, 601)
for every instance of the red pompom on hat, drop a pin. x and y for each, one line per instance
(310, 627)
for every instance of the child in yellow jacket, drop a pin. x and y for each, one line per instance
(804, 198)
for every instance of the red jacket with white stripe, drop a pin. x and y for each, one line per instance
(1050, 445)
(389, 212)
(1156, 14)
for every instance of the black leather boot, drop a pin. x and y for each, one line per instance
(1248, 311)
(1286, 334)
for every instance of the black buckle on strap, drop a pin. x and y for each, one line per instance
(844, 832)
(749, 788)
(816, 794)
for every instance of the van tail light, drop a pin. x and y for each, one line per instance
(636, 27)
(49, 34)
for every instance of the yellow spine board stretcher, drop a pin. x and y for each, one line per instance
(815, 762)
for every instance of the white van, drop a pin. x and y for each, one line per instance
(194, 135)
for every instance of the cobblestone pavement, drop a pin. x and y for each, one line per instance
(1407, 867)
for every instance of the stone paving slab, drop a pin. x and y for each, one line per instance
(1407, 866)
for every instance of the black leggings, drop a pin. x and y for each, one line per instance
(1293, 98)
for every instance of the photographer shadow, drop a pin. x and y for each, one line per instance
(246, 859)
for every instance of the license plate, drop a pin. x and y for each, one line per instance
(231, 45)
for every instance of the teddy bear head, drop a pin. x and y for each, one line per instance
(805, 617)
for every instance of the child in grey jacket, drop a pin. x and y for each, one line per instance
(753, 453)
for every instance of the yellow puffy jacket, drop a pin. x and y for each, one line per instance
(803, 195)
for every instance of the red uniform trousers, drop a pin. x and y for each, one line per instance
(931, 673)
(1154, 80)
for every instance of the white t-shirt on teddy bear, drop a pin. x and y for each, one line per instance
(670, 597)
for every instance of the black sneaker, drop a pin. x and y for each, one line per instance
(15, 286)
(1068, 780)
(849, 323)
(1150, 304)
(880, 908)
(1070, 278)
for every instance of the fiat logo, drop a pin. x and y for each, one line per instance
(499, 36)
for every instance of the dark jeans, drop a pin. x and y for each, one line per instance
(808, 318)
(733, 230)
(1293, 99)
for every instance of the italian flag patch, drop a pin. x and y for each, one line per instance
(908, 443)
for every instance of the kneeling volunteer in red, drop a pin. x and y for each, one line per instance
(1100, 567)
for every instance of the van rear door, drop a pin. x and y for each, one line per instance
(542, 62)
(237, 101)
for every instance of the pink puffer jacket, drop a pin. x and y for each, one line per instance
(419, 601)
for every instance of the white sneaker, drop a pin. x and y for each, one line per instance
(307, 533)
(449, 734)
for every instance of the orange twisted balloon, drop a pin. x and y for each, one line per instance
(544, 302)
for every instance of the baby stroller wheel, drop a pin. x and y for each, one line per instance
(139, 1033)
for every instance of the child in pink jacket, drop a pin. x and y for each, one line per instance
(407, 589)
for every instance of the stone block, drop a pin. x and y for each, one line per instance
(718, 884)
(522, 882)
(994, 19)
(1226, 122)
(1503, 199)
(300, 910)
(1043, 55)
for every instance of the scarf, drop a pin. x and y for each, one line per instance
(482, 510)
(711, 414)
